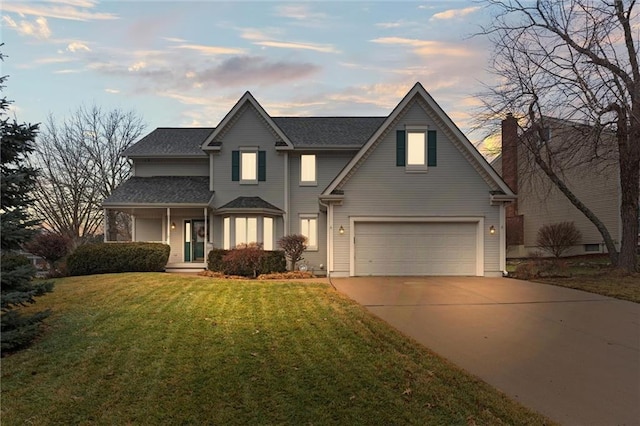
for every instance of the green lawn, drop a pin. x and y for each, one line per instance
(170, 349)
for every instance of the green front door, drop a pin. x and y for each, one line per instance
(194, 239)
(198, 238)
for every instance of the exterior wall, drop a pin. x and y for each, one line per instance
(304, 199)
(379, 188)
(171, 167)
(541, 203)
(248, 130)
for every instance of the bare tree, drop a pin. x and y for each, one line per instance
(81, 163)
(575, 60)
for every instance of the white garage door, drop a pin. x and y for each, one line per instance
(408, 248)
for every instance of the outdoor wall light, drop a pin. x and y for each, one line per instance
(173, 225)
(341, 230)
(492, 229)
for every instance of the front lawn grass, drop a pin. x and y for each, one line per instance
(169, 349)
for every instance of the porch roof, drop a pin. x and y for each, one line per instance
(170, 191)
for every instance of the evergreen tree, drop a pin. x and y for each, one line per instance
(17, 330)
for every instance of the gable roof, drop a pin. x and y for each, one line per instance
(162, 190)
(211, 143)
(459, 139)
(171, 142)
(329, 132)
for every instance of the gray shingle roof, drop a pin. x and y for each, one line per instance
(328, 131)
(249, 203)
(161, 190)
(165, 141)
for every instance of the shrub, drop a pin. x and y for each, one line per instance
(121, 257)
(240, 261)
(293, 247)
(50, 246)
(243, 260)
(273, 262)
(557, 238)
(214, 259)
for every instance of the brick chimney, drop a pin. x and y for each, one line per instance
(510, 159)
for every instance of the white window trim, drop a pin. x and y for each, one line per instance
(313, 182)
(248, 150)
(416, 168)
(310, 217)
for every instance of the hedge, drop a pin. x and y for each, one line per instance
(270, 262)
(118, 257)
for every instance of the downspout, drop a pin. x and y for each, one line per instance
(503, 240)
(286, 194)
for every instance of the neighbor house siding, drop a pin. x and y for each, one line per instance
(380, 188)
(248, 130)
(171, 167)
(542, 204)
(304, 199)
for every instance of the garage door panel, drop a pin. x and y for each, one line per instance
(415, 248)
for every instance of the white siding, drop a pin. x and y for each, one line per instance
(380, 188)
(171, 167)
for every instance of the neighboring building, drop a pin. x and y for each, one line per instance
(593, 179)
(405, 194)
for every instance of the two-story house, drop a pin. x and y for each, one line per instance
(406, 194)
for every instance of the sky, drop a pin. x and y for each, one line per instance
(186, 63)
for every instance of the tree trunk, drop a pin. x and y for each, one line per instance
(629, 160)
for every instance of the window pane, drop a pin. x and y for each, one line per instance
(313, 231)
(267, 238)
(249, 165)
(241, 230)
(226, 232)
(307, 168)
(252, 230)
(304, 228)
(187, 232)
(416, 149)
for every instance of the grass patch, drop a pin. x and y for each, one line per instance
(168, 349)
(592, 273)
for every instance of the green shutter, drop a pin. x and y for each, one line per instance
(432, 151)
(235, 166)
(401, 148)
(262, 166)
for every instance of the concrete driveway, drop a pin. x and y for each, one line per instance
(570, 355)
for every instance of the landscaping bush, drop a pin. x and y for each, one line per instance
(557, 238)
(246, 260)
(293, 247)
(214, 259)
(273, 262)
(243, 260)
(121, 257)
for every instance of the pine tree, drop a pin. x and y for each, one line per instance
(17, 289)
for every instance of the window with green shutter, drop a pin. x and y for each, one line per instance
(262, 166)
(235, 166)
(401, 152)
(432, 148)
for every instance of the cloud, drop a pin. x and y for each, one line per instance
(455, 13)
(112, 91)
(60, 9)
(76, 46)
(256, 70)
(299, 12)
(210, 50)
(39, 28)
(425, 47)
(138, 66)
(324, 48)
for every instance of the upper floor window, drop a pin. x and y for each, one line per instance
(249, 165)
(308, 169)
(416, 148)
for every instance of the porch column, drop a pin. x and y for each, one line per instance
(105, 225)
(169, 225)
(133, 227)
(206, 234)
